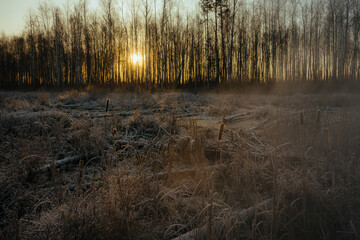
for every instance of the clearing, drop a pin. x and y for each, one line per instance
(96, 165)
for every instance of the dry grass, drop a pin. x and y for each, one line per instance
(74, 96)
(43, 99)
(158, 173)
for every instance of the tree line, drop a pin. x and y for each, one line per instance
(234, 42)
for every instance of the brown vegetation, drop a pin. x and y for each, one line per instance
(173, 166)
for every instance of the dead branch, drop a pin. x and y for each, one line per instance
(235, 117)
(80, 107)
(262, 123)
(72, 187)
(139, 143)
(65, 161)
(121, 114)
(201, 232)
(187, 171)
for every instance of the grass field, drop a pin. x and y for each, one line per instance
(97, 165)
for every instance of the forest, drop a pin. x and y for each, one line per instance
(162, 44)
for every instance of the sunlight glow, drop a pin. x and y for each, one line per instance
(137, 58)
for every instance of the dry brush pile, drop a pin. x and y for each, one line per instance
(94, 165)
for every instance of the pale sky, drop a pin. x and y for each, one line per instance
(13, 12)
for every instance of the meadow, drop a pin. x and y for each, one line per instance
(174, 165)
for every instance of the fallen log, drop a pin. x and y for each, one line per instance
(121, 114)
(139, 143)
(82, 107)
(201, 232)
(161, 175)
(72, 187)
(65, 161)
(185, 115)
(187, 171)
(114, 112)
(235, 117)
(259, 125)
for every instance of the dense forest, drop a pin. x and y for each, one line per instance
(156, 44)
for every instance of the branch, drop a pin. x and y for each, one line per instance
(189, 171)
(65, 161)
(239, 116)
(201, 232)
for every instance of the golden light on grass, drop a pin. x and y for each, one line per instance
(137, 58)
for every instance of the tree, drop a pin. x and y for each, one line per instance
(32, 26)
(108, 16)
(58, 36)
(227, 41)
(206, 7)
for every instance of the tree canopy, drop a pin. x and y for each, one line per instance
(220, 42)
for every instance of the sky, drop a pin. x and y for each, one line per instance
(13, 13)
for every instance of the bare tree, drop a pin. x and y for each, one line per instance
(32, 26)
(108, 16)
(45, 18)
(58, 37)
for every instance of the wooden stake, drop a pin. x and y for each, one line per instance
(221, 129)
(318, 116)
(107, 105)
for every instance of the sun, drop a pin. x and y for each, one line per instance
(136, 58)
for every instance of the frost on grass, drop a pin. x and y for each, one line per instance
(160, 170)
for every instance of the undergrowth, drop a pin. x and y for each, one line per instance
(151, 175)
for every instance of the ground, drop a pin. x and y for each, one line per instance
(114, 165)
